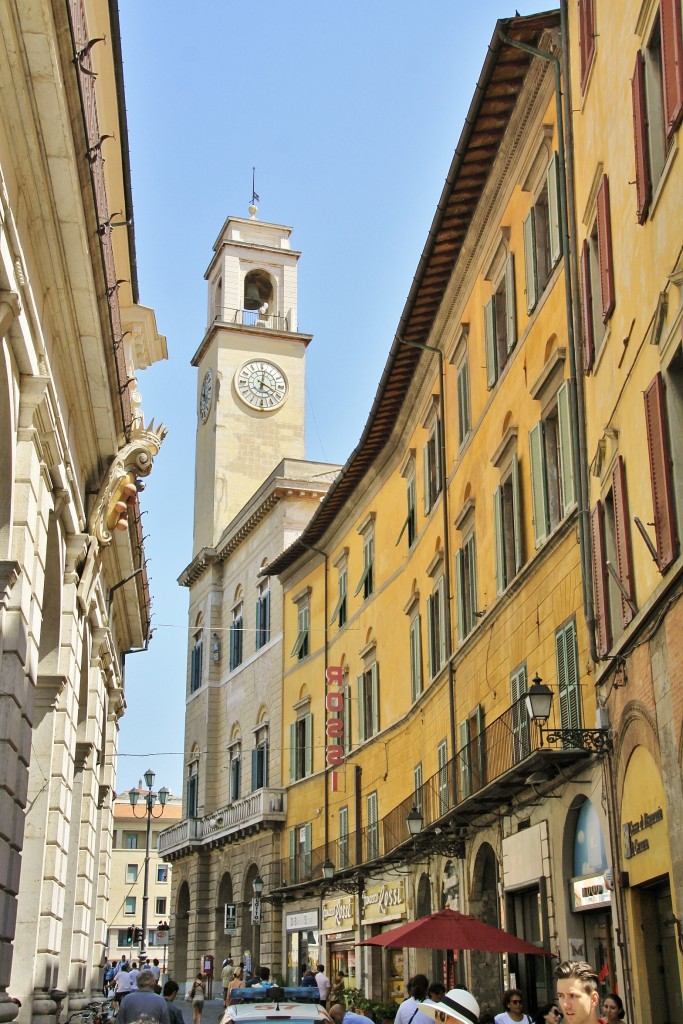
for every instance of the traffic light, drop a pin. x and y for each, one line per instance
(137, 939)
(129, 936)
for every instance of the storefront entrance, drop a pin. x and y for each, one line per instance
(659, 941)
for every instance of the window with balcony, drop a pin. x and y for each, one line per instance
(368, 702)
(597, 276)
(521, 746)
(500, 319)
(372, 833)
(263, 614)
(301, 748)
(567, 655)
(542, 235)
(259, 760)
(343, 845)
(472, 753)
(302, 644)
(237, 636)
(300, 847)
(235, 769)
(129, 905)
(196, 663)
(366, 584)
(553, 487)
(613, 579)
(442, 776)
(192, 801)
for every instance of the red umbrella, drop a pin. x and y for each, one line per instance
(451, 930)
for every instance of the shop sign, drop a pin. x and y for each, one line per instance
(632, 829)
(338, 914)
(334, 727)
(587, 893)
(382, 902)
(304, 921)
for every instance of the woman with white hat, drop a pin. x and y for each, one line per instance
(457, 1005)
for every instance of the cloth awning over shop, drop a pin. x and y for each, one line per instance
(449, 929)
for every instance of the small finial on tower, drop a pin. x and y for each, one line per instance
(253, 208)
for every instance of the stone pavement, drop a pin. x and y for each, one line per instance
(213, 1010)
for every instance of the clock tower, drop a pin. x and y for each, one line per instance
(251, 371)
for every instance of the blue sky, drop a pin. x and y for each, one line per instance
(350, 112)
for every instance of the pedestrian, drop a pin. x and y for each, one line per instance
(308, 980)
(155, 969)
(237, 982)
(612, 1009)
(227, 974)
(338, 990)
(548, 1013)
(170, 991)
(456, 1005)
(143, 1003)
(409, 1011)
(197, 993)
(436, 991)
(134, 971)
(122, 984)
(577, 991)
(323, 983)
(341, 1016)
(512, 1008)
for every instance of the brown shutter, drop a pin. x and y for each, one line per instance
(602, 622)
(660, 474)
(587, 308)
(622, 530)
(586, 38)
(672, 63)
(605, 249)
(643, 184)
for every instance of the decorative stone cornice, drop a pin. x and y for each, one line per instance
(49, 689)
(10, 308)
(9, 574)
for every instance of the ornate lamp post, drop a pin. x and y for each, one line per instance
(539, 701)
(150, 800)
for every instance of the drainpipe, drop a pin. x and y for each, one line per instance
(446, 552)
(579, 452)
(319, 551)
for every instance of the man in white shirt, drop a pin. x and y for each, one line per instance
(323, 983)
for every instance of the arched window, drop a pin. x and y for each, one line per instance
(193, 784)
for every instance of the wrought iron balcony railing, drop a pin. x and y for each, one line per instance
(251, 318)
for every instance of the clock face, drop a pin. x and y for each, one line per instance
(261, 385)
(206, 395)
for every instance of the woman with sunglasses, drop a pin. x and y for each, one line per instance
(548, 1014)
(512, 1009)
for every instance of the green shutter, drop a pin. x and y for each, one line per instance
(293, 874)
(437, 455)
(481, 746)
(425, 467)
(530, 262)
(490, 337)
(254, 769)
(498, 529)
(465, 753)
(347, 718)
(292, 752)
(517, 515)
(539, 486)
(463, 402)
(564, 428)
(430, 636)
(459, 594)
(520, 719)
(554, 225)
(473, 580)
(362, 729)
(442, 612)
(510, 306)
(374, 683)
(308, 745)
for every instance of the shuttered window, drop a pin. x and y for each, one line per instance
(339, 613)
(520, 719)
(672, 60)
(431, 457)
(659, 453)
(236, 637)
(196, 665)
(343, 847)
(263, 616)
(368, 703)
(543, 236)
(302, 644)
(643, 182)
(568, 676)
(466, 587)
(417, 787)
(500, 323)
(301, 748)
(622, 537)
(373, 827)
(553, 477)
(464, 424)
(410, 521)
(600, 593)
(530, 262)
(586, 39)
(259, 766)
(604, 222)
(587, 307)
(507, 523)
(415, 657)
(442, 761)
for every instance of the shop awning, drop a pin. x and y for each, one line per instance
(449, 929)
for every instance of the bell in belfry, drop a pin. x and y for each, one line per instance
(252, 297)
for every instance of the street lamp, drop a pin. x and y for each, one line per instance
(150, 800)
(539, 701)
(414, 821)
(257, 885)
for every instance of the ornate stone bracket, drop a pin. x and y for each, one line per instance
(9, 574)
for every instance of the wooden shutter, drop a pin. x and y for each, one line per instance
(442, 611)
(293, 873)
(308, 745)
(254, 769)
(460, 594)
(510, 302)
(498, 529)
(362, 728)
(473, 607)
(587, 308)
(568, 677)
(465, 754)
(530, 261)
(643, 182)
(426, 472)
(374, 696)
(660, 473)
(554, 223)
(600, 593)
(442, 760)
(586, 39)
(520, 719)
(622, 530)
(605, 256)
(539, 485)
(416, 656)
(672, 63)
(490, 337)
(564, 429)
(517, 515)
(292, 752)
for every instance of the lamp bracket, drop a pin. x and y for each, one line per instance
(597, 741)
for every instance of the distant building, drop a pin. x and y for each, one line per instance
(127, 878)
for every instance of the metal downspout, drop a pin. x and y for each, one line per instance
(446, 553)
(320, 551)
(575, 388)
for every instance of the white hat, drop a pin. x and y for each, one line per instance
(458, 1004)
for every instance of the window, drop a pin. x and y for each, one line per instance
(415, 656)
(263, 614)
(196, 664)
(410, 521)
(417, 786)
(442, 761)
(302, 645)
(193, 788)
(301, 748)
(431, 456)
(368, 703)
(259, 764)
(597, 277)
(121, 936)
(466, 587)
(131, 840)
(521, 746)
(162, 873)
(300, 853)
(372, 834)
(237, 636)
(367, 580)
(568, 676)
(553, 490)
(339, 615)
(346, 690)
(343, 850)
(613, 582)
(472, 753)
(436, 625)
(131, 873)
(235, 771)
(542, 236)
(659, 448)
(586, 39)
(129, 905)
(507, 522)
(160, 906)
(499, 325)
(464, 414)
